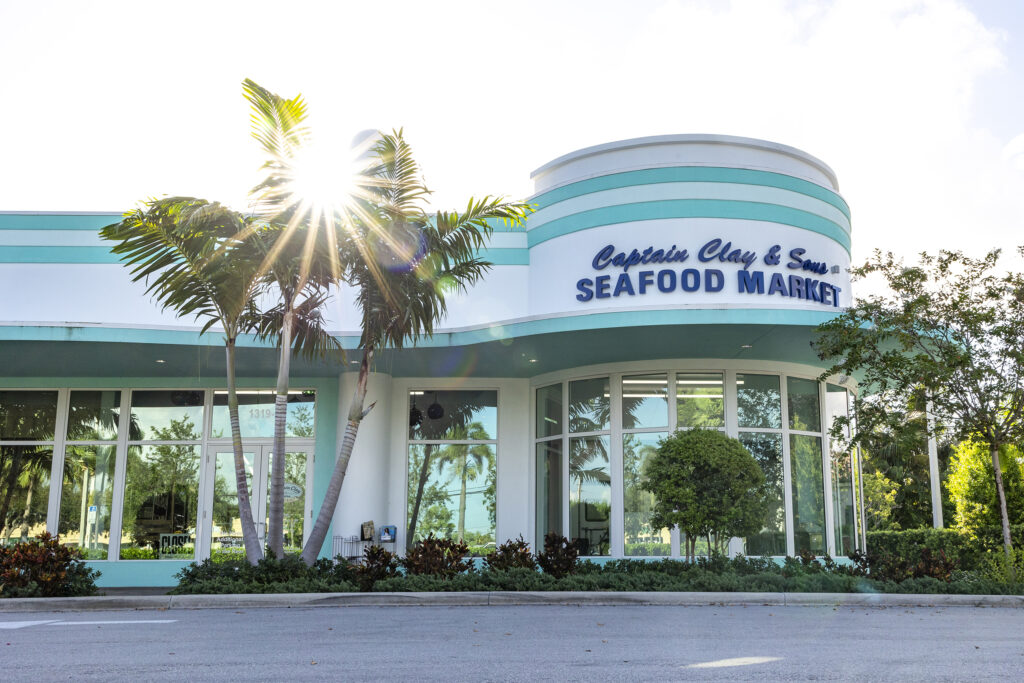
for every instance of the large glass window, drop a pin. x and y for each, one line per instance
(808, 492)
(843, 510)
(256, 414)
(549, 490)
(804, 412)
(758, 401)
(86, 498)
(589, 405)
(28, 415)
(94, 416)
(161, 500)
(24, 491)
(590, 500)
(766, 447)
(640, 538)
(700, 400)
(452, 467)
(549, 411)
(168, 415)
(644, 401)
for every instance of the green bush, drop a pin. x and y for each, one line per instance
(378, 564)
(44, 568)
(138, 554)
(287, 575)
(559, 556)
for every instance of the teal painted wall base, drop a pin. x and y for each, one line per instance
(132, 573)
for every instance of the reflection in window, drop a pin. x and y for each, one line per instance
(226, 539)
(767, 450)
(446, 415)
(549, 490)
(24, 490)
(161, 498)
(93, 415)
(27, 415)
(700, 400)
(164, 415)
(758, 401)
(256, 414)
(641, 539)
(549, 411)
(590, 495)
(294, 500)
(842, 474)
(644, 401)
(451, 493)
(589, 405)
(86, 497)
(804, 413)
(808, 493)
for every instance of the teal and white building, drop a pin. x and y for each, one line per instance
(662, 283)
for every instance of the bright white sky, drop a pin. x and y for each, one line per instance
(918, 105)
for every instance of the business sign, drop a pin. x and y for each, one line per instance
(635, 272)
(175, 545)
(292, 491)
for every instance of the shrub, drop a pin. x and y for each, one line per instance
(437, 557)
(44, 568)
(512, 554)
(378, 564)
(287, 575)
(559, 556)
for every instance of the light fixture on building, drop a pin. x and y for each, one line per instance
(746, 346)
(160, 360)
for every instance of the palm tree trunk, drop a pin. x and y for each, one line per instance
(356, 413)
(428, 451)
(1007, 545)
(275, 530)
(253, 551)
(28, 506)
(462, 500)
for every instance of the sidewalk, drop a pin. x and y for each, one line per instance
(499, 598)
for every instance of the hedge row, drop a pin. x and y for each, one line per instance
(965, 550)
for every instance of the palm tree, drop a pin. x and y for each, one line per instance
(468, 462)
(401, 263)
(196, 258)
(300, 261)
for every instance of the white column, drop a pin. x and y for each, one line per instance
(933, 470)
(364, 493)
(514, 495)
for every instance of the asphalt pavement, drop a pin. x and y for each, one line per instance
(516, 643)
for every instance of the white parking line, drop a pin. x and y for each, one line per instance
(11, 625)
(111, 621)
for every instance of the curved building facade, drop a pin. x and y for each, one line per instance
(662, 283)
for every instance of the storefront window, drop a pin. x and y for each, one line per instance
(451, 486)
(590, 494)
(168, 415)
(94, 415)
(758, 401)
(86, 497)
(24, 491)
(256, 414)
(644, 401)
(549, 411)
(808, 493)
(804, 413)
(700, 401)
(640, 538)
(843, 510)
(28, 415)
(549, 490)
(161, 500)
(766, 448)
(589, 405)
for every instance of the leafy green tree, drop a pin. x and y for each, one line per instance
(949, 330)
(707, 484)
(401, 263)
(972, 488)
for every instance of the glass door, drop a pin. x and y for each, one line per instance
(224, 528)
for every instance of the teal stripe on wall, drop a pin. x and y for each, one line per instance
(22, 221)
(505, 257)
(23, 254)
(689, 208)
(706, 174)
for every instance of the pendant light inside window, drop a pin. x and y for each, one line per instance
(435, 411)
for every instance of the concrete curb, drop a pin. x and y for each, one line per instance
(501, 598)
